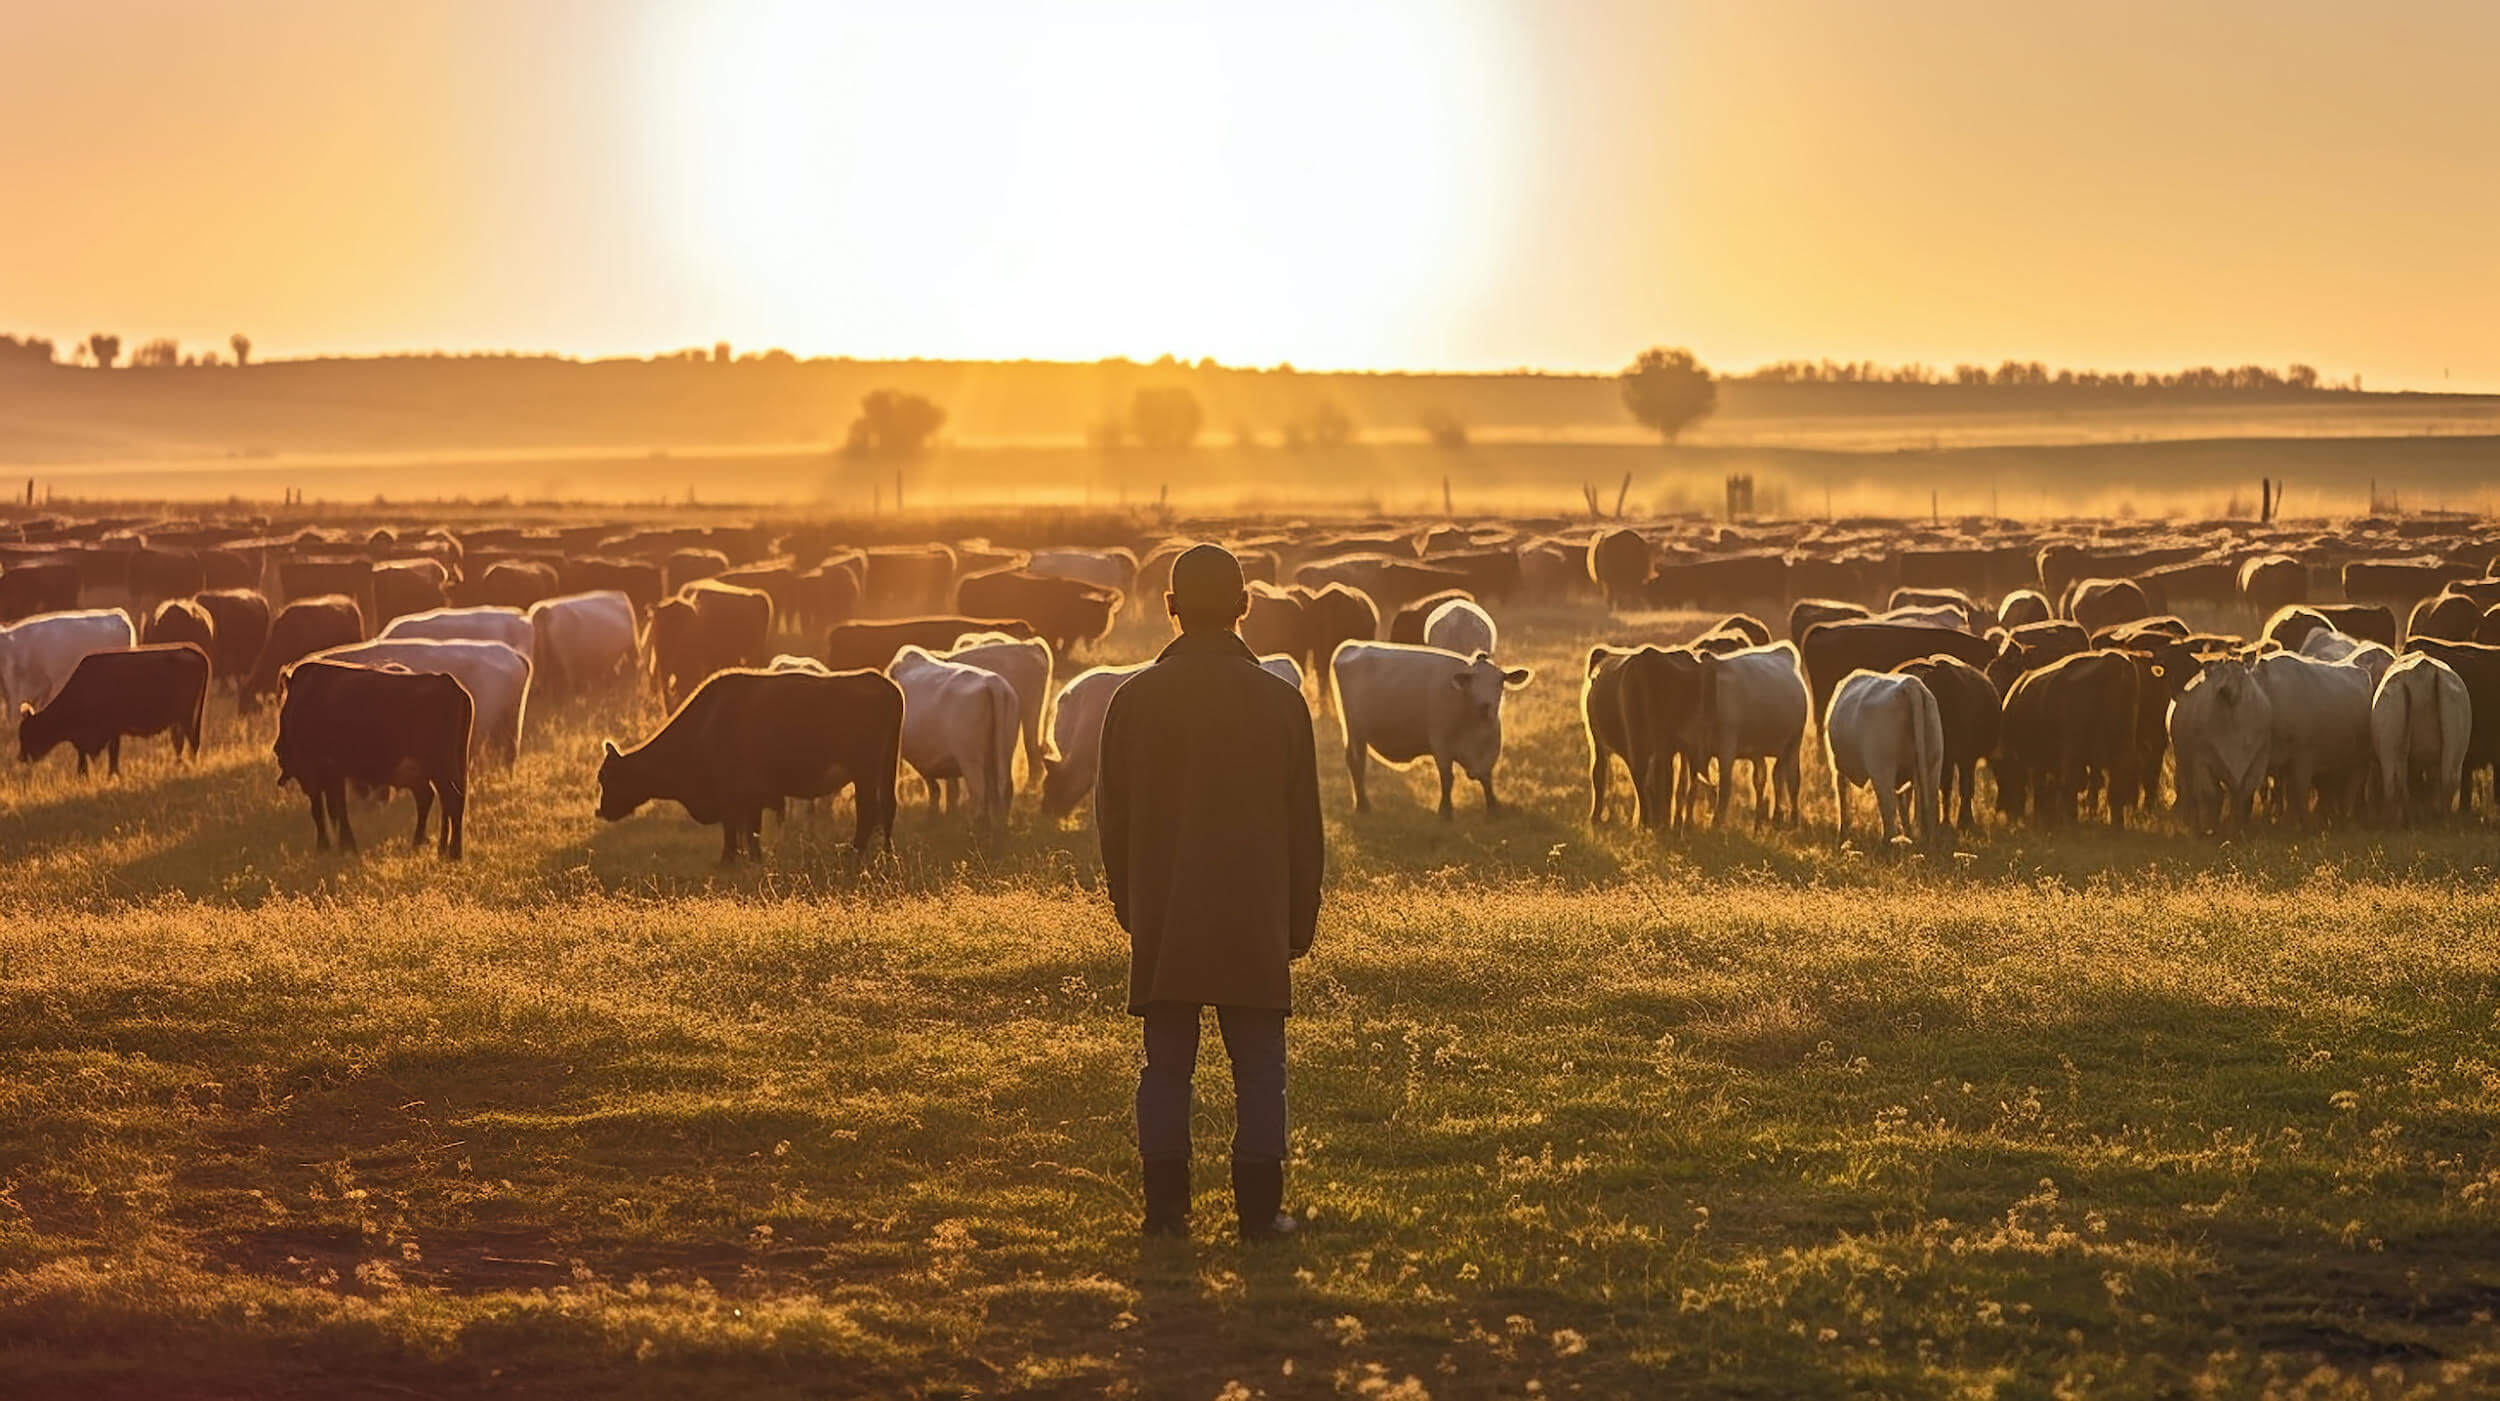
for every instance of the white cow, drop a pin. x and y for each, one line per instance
(1403, 702)
(1075, 758)
(2221, 737)
(2419, 723)
(37, 654)
(1884, 730)
(496, 677)
(1025, 663)
(2328, 645)
(2320, 713)
(1462, 627)
(509, 626)
(1111, 569)
(958, 722)
(582, 639)
(1758, 712)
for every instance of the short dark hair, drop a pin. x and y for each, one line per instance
(1207, 587)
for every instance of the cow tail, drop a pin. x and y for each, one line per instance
(199, 712)
(1927, 740)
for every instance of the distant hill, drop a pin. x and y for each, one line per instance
(62, 414)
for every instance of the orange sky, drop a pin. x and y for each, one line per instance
(1437, 183)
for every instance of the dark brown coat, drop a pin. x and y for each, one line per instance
(1407, 625)
(2068, 731)
(1830, 651)
(112, 696)
(1967, 706)
(241, 620)
(340, 724)
(1208, 808)
(1333, 616)
(1619, 565)
(710, 627)
(303, 627)
(1063, 612)
(1275, 623)
(182, 620)
(746, 741)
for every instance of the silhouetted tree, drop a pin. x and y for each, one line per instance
(720, 352)
(158, 354)
(105, 348)
(1322, 424)
(892, 423)
(1165, 416)
(1446, 432)
(29, 350)
(242, 347)
(1668, 391)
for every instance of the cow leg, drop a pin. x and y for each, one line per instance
(1790, 776)
(1355, 756)
(1726, 775)
(321, 825)
(1492, 805)
(1446, 774)
(729, 838)
(1840, 803)
(82, 763)
(1601, 769)
(113, 757)
(1887, 806)
(338, 813)
(424, 794)
(455, 819)
(1763, 798)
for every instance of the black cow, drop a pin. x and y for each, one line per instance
(1831, 651)
(112, 696)
(240, 621)
(1063, 612)
(747, 740)
(303, 627)
(340, 724)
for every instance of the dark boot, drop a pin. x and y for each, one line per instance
(1167, 1197)
(1258, 1199)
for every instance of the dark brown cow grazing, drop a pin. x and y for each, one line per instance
(511, 583)
(746, 741)
(340, 724)
(688, 565)
(316, 578)
(1756, 632)
(639, 580)
(2289, 626)
(2068, 730)
(1649, 707)
(183, 620)
(400, 589)
(2396, 584)
(1972, 614)
(1408, 624)
(240, 619)
(2450, 617)
(2100, 603)
(1831, 651)
(1331, 617)
(1967, 706)
(303, 627)
(1063, 612)
(2371, 622)
(160, 574)
(1806, 612)
(908, 578)
(2272, 582)
(1619, 564)
(44, 586)
(1275, 622)
(2023, 606)
(2033, 646)
(112, 696)
(710, 627)
(871, 646)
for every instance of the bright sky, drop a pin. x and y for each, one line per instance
(1350, 183)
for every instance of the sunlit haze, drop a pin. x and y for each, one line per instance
(1441, 183)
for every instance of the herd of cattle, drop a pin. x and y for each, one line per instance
(2320, 672)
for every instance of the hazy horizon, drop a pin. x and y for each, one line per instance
(1396, 186)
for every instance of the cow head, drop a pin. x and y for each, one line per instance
(1476, 738)
(1063, 786)
(619, 795)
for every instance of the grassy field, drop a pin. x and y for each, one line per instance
(1576, 1112)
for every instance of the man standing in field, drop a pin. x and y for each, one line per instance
(1208, 806)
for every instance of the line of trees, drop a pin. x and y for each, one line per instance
(2032, 374)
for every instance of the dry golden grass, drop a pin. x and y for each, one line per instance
(1574, 1111)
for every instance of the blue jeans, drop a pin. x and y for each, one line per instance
(1254, 1039)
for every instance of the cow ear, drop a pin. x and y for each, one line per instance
(607, 749)
(24, 709)
(1518, 676)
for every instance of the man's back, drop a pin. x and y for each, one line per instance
(1209, 815)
